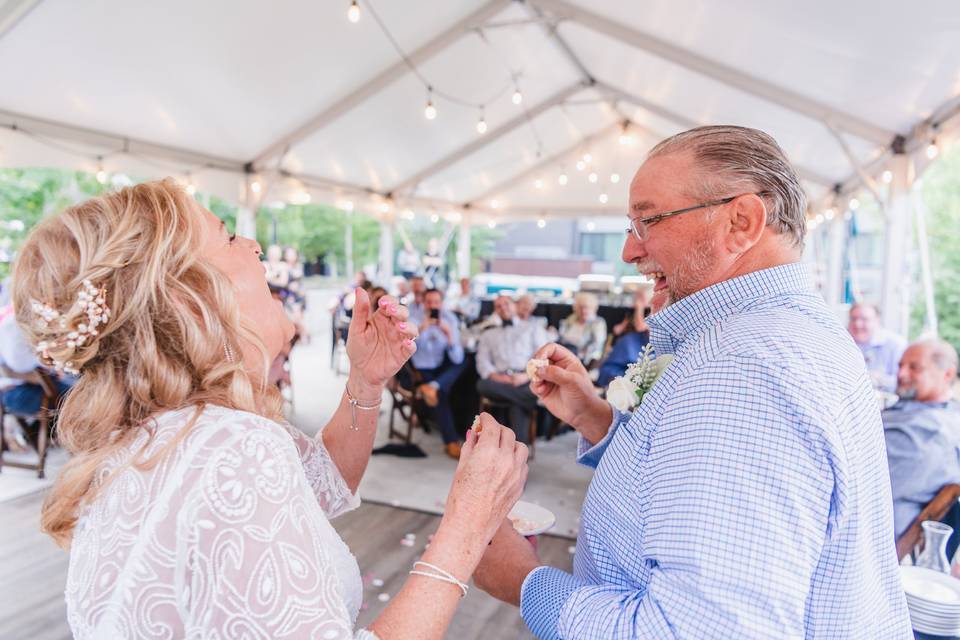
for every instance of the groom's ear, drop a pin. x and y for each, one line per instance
(745, 223)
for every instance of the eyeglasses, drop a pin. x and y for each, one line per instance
(640, 226)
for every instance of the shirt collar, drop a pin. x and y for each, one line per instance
(690, 315)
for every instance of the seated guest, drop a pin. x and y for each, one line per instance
(467, 303)
(502, 356)
(415, 298)
(881, 348)
(583, 332)
(20, 388)
(922, 430)
(630, 337)
(439, 359)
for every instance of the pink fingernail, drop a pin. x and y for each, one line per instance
(383, 302)
(393, 308)
(401, 325)
(408, 342)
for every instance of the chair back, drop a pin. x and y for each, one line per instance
(943, 508)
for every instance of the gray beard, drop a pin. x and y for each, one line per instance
(906, 393)
(692, 271)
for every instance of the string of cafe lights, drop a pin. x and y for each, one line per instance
(430, 111)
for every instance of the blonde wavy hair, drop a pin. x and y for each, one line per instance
(174, 316)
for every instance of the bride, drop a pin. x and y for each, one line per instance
(190, 507)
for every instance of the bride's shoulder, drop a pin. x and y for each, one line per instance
(213, 426)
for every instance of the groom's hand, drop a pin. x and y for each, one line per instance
(507, 562)
(566, 390)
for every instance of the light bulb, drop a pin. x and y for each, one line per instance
(592, 177)
(384, 207)
(591, 226)
(481, 126)
(102, 176)
(517, 97)
(888, 176)
(430, 111)
(614, 178)
(932, 150)
(541, 223)
(435, 218)
(538, 183)
(562, 179)
(854, 204)
(581, 165)
(409, 214)
(626, 139)
(255, 186)
(191, 188)
(494, 204)
(492, 224)
(829, 213)
(603, 198)
(587, 157)
(353, 13)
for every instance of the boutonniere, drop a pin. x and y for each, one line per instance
(626, 392)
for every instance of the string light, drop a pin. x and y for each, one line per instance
(435, 218)
(541, 223)
(603, 198)
(430, 111)
(301, 197)
(384, 207)
(102, 176)
(592, 177)
(255, 186)
(481, 123)
(517, 96)
(614, 178)
(492, 224)
(562, 179)
(887, 176)
(625, 137)
(581, 165)
(191, 188)
(538, 183)
(829, 213)
(932, 149)
(409, 214)
(587, 157)
(591, 226)
(353, 13)
(494, 204)
(854, 204)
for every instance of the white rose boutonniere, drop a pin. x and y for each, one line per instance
(627, 391)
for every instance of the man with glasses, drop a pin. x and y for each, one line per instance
(748, 495)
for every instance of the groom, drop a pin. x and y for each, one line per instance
(748, 495)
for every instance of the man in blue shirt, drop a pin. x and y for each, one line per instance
(439, 359)
(881, 349)
(923, 429)
(747, 496)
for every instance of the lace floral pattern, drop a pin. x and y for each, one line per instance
(226, 536)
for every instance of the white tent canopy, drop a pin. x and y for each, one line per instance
(296, 86)
(295, 98)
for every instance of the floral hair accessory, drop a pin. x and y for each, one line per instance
(92, 311)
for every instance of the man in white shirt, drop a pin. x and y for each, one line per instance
(502, 357)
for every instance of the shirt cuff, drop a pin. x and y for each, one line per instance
(543, 594)
(589, 454)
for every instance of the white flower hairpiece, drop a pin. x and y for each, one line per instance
(92, 304)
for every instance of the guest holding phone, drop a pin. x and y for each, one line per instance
(439, 361)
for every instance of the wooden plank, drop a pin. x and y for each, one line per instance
(33, 571)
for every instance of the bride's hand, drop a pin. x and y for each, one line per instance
(489, 479)
(378, 341)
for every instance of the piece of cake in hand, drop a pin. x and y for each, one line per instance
(533, 364)
(477, 427)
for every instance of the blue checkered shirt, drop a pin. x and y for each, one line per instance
(748, 495)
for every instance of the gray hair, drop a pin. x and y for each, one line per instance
(942, 353)
(739, 159)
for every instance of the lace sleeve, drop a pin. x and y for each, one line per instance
(324, 478)
(260, 558)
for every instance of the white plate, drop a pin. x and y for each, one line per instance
(931, 586)
(531, 519)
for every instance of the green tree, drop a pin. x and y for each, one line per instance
(941, 194)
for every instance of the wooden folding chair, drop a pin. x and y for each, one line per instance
(48, 405)
(936, 509)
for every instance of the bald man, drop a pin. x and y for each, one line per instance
(922, 429)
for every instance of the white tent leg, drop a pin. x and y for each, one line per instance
(348, 246)
(385, 267)
(920, 211)
(836, 244)
(246, 223)
(463, 248)
(895, 297)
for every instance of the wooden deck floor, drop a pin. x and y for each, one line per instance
(33, 572)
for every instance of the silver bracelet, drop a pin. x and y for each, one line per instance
(440, 575)
(354, 405)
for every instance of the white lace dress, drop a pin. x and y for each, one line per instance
(226, 537)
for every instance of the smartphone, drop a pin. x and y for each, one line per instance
(435, 314)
